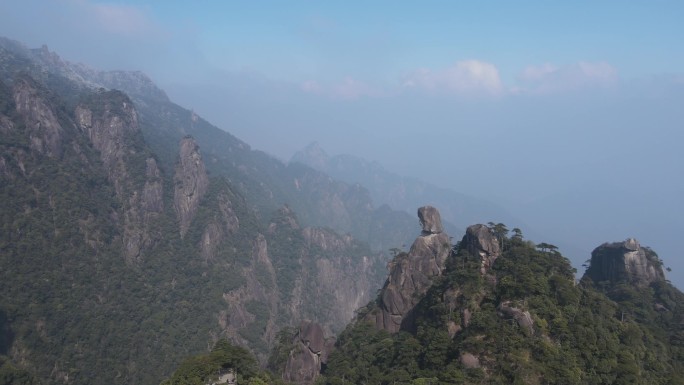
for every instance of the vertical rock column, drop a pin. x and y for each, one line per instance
(191, 182)
(411, 273)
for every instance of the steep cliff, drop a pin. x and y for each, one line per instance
(480, 242)
(191, 183)
(44, 131)
(110, 121)
(411, 274)
(625, 262)
(310, 351)
(324, 276)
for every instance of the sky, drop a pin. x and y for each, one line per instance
(568, 114)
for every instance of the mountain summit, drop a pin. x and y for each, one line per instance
(625, 261)
(411, 274)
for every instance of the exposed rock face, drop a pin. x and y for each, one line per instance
(479, 241)
(411, 273)
(45, 132)
(224, 224)
(523, 318)
(311, 349)
(343, 283)
(259, 287)
(430, 220)
(110, 122)
(191, 183)
(334, 279)
(469, 360)
(109, 130)
(328, 280)
(152, 191)
(625, 262)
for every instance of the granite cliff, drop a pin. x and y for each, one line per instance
(411, 274)
(480, 242)
(136, 221)
(625, 261)
(309, 353)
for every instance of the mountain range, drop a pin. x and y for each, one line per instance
(136, 234)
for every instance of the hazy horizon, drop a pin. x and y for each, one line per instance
(567, 115)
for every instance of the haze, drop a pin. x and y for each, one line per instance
(568, 114)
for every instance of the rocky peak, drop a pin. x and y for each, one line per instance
(43, 127)
(411, 273)
(313, 156)
(191, 182)
(625, 261)
(311, 350)
(479, 241)
(430, 220)
(134, 83)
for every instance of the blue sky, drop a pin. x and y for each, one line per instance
(568, 113)
(378, 43)
(370, 40)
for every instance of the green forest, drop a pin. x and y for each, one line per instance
(582, 332)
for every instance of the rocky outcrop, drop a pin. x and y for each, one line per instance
(110, 122)
(259, 291)
(343, 282)
(469, 360)
(522, 317)
(152, 201)
(480, 242)
(224, 224)
(311, 350)
(43, 128)
(430, 220)
(334, 275)
(625, 262)
(411, 273)
(191, 183)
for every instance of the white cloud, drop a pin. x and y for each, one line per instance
(547, 78)
(468, 77)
